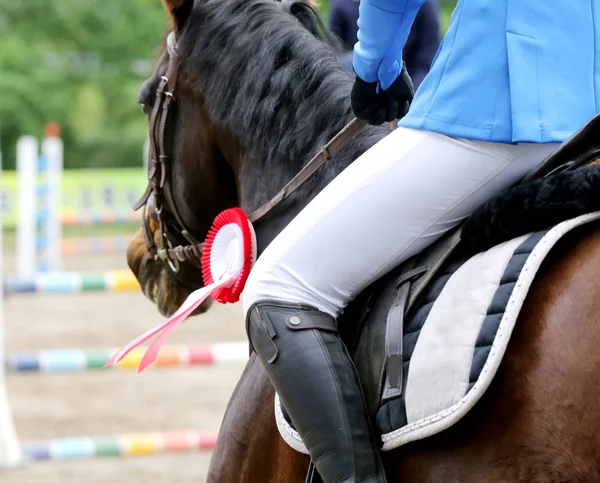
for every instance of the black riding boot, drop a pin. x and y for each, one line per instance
(317, 383)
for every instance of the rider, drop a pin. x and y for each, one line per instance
(511, 80)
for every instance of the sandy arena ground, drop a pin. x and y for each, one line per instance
(84, 404)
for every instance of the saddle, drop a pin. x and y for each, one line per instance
(376, 338)
(374, 327)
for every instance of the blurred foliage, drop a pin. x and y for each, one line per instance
(80, 63)
(447, 6)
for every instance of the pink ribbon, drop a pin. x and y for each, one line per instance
(190, 304)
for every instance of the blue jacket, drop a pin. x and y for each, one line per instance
(420, 48)
(507, 70)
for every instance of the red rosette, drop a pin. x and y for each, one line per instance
(229, 249)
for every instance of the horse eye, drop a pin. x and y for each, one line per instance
(144, 107)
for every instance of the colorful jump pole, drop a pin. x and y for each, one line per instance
(27, 159)
(79, 360)
(39, 203)
(52, 153)
(122, 445)
(72, 246)
(73, 282)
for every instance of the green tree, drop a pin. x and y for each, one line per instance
(79, 63)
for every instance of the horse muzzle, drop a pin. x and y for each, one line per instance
(159, 284)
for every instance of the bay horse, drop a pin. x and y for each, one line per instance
(258, 93)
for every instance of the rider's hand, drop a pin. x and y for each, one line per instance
(383, 106)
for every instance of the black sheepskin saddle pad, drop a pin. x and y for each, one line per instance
(533, 206)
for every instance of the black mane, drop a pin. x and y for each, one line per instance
(268, 73)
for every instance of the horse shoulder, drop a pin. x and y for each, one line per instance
(249, 448)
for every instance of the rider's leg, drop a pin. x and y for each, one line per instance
(392, 202)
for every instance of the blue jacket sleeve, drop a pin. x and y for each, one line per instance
(383, 27)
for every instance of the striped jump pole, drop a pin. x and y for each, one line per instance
(44, 218)
(27, 158)
(84, 246)
(39, 200)
(121, 445)
(40, 218)
(73, 282)
(99, 217)
(78, 360)
(51, 168)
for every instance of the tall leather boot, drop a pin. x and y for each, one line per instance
(310, 368)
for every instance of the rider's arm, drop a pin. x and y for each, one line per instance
(383, 27)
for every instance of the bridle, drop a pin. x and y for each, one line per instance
(159, 192)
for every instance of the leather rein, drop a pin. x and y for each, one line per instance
(159, 193)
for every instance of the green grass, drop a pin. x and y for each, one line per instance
(92, 230)
(100, 230)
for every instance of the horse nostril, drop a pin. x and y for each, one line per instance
(151, 291)
(135, 253)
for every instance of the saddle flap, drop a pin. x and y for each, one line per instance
(432, 260)
(385, 304)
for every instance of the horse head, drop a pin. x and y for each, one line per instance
(197, 180)
(245, 93)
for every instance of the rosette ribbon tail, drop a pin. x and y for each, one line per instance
(228, 255)
(165, 328)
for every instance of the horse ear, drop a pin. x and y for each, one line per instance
(307, 14)
(178, 11)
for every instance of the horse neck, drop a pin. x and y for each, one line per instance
(276, 90)
(266, 168)
(268, 83)
(203, 183)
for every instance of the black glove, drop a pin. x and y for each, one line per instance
(383, 106)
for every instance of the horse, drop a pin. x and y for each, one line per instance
(258, 92)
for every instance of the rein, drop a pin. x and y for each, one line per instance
(339, 141)
(160, 188)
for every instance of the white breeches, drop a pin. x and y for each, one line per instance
(391, 203)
